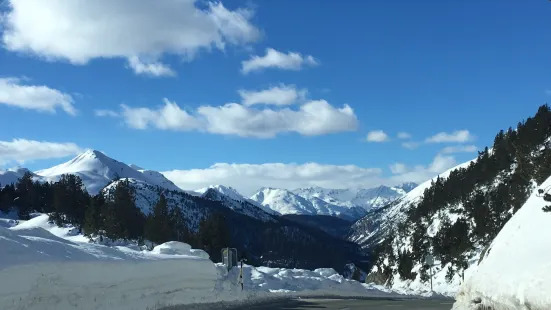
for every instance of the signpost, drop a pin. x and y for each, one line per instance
(229, 257)
(429, 260)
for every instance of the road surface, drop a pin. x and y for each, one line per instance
(332, 304)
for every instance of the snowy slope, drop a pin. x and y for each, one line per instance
(97, 170)
(515, 273)
(39, 270)
(10, 176)
(286, 202)
(47, 267)
(372, 227)
(147, 195)
(367, 198)
(232, 199)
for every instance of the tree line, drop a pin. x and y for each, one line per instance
(112, 213)
(481, 197)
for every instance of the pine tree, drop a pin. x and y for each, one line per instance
(122, 219)
(7, 195)
(214, 235)
(93, 221)
(26, 198)
(70, 201)
(158, 226)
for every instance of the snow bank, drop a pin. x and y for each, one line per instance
(179, 248)
(516, 271)
(265, 281)
(39, 270)
(43, 266)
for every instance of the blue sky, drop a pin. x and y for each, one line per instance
(460, 69)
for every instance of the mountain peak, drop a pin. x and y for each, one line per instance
(97, 170)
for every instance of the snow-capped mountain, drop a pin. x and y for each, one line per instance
(350, 204)
(376, 224)
(98, 170)
(237, 202)
(367, 198)
(286, 202)
(11, 175)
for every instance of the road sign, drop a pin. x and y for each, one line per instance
(429, 260)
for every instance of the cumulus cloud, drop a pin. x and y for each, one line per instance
(377, 136)
(248, 178)
(14, 92)
(313, 118)
(398, 168)
(276, 95)
(276, 59)
(153, 68)
(105, 113)
(459, 149)
(459, 136)
(420, 173)
(80, 30)
(22, 150)
(404, 135)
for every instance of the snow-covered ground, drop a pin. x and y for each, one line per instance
(47, 267)
(515, 272)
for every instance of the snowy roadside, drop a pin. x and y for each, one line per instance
(47, 267)
(516, 272)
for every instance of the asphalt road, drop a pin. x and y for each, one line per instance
(335, 304)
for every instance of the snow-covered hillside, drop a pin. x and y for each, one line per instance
(350, 204)
(147, 195)
(367, 198)
(377, 224)
(515, 272)
(10, 176)
(47, 267)
(97, 170)
(286, 202)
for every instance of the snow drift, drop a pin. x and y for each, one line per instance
(43, 266)
(515, 272)
(39, 270)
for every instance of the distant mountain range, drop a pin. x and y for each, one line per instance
(98, 171)
(268, 238)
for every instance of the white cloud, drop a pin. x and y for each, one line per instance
(421, 173)
(404, 135)
(247, 178)
(275, 59)
(168, 117)
(398, 168)
(81, 30)
(311, 119)
(459, 149)
(277, 95)
(377, 136)
(22, 150)
(410, 145)
(153, 68)
(34, 97)
(459, 136)
(104, 113)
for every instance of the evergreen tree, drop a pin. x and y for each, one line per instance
(26, 196)
(7, 195)
(93, 221)
(214, 235)
(70, 201)
(158, 225)
(179, 227)
(405, 264)
(122, 219)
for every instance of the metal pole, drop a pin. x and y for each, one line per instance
(431, 278)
